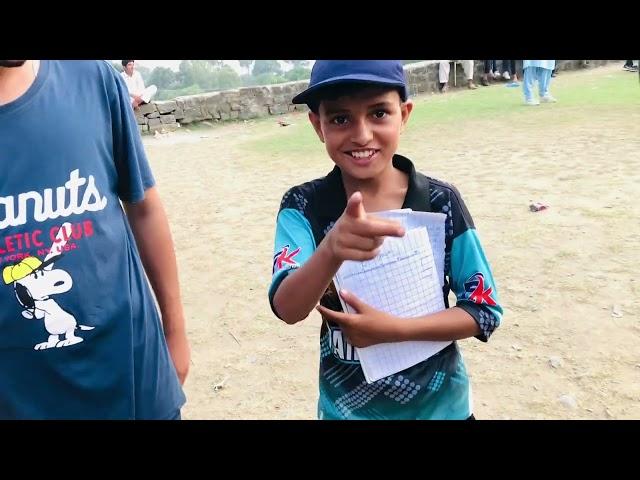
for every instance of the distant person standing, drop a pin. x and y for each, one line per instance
(540, 71)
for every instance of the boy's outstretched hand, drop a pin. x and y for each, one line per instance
(357, 236)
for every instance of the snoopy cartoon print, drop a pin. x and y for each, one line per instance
(35, 283)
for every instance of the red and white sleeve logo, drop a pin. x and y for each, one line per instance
(477, 291)
(285, 258)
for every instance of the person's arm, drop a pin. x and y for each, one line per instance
(370, 326)
(146, 215)
(302, 289)
(150, 228)
(354, 237)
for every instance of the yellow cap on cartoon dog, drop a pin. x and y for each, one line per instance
(16, 272)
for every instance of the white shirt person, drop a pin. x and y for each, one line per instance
(135, 84)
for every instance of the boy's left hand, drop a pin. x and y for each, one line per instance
(366, 327)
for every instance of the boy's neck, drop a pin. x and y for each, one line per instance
(387, 191)
(15, 81)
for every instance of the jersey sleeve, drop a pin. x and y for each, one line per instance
(470, 273)
(294, 242)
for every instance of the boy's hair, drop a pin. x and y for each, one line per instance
(343, 90)
(334, 76)
(126, 62)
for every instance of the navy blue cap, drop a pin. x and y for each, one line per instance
(334, 72)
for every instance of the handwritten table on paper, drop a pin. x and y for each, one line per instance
(402, 280)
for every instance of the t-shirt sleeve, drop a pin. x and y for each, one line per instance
(132, 165)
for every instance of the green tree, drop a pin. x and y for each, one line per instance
(266, 66)
(299, 63)
(269, 78)
(226, 78)
(198, 72)
(185, 74)
(246, 65)
(144, 72)
(163, 77)
(208, 75)
(298, 73)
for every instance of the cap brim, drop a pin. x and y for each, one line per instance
(311, 93)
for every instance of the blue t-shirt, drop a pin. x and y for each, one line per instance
(81, 336)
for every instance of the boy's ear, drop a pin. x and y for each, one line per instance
(314, 118)
(405, 110)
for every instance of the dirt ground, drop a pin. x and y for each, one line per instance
(569, 345)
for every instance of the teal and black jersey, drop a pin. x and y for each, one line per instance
(437, 388)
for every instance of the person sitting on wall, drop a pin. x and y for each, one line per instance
(135, 84)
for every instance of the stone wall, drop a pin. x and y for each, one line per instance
(239, 104)
(253, 102)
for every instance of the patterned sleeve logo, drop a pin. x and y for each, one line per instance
(285, 258)
(475, 290)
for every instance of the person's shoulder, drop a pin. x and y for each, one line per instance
(87, 67)
(301, 197)
(438, 185)
(99, 70)
(445, 197)
(95, 72)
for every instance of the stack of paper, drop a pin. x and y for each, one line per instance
(405, 280)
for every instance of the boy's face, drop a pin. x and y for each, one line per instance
(361, 131)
